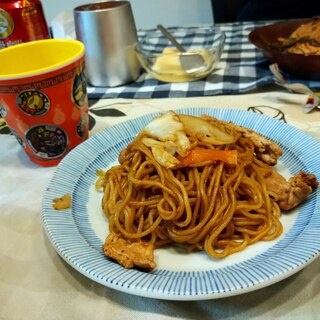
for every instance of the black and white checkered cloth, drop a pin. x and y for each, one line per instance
(242, 68)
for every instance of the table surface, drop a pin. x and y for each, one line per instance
(37, 284)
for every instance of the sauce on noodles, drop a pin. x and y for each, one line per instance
(208, 204)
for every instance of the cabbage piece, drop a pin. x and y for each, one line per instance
(205, 131)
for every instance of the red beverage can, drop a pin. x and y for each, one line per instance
(22, 21)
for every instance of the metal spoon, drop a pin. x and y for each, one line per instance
(189, 62)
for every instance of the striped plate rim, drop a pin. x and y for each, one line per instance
(76, 242)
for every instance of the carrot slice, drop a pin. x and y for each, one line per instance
(199, 155)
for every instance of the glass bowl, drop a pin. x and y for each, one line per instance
(163, 61)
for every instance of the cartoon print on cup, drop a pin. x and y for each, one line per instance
(33, 102)
(82, 125)
(6, 24)
(19, 139)
(47, 141)
(3, 110)
(79, 89)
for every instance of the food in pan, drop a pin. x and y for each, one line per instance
(198, 183)
(304, 40)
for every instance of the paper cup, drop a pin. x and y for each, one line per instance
(43, 97)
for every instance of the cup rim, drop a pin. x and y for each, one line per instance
(44, 70)
(100, 6)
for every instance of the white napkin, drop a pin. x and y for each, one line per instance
(313, 100)
(63, 25)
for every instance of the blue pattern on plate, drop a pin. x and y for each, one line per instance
(76, 241)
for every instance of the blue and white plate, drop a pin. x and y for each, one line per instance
(79, 232)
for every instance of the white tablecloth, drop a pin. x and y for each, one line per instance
(35, 283)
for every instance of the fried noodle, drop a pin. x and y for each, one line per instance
(211, 206)
(304, 40)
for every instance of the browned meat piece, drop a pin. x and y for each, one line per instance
(266, 150)
(62, 203)
(291, 192)
(129, 254)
